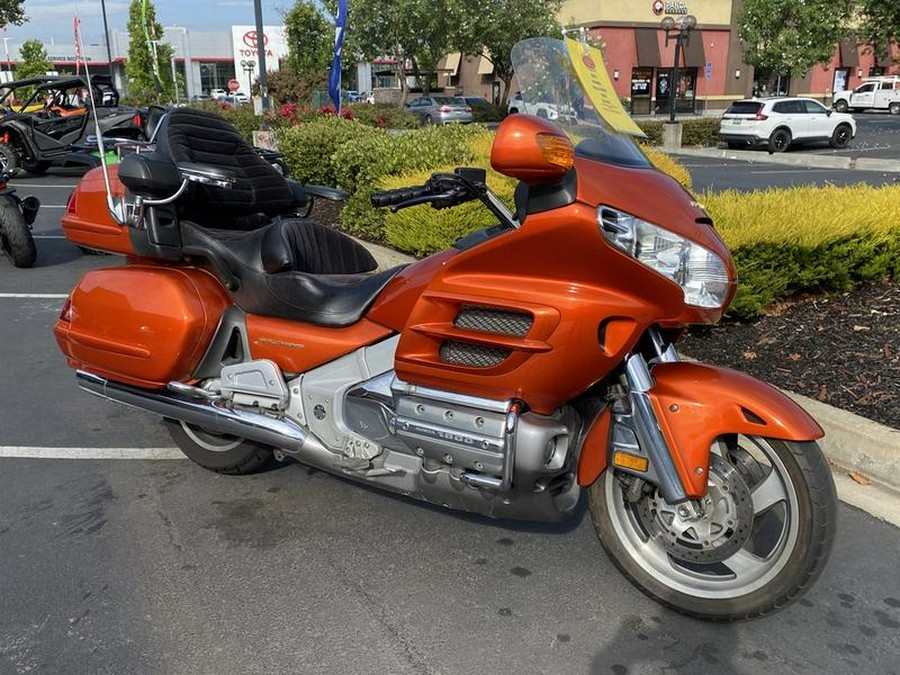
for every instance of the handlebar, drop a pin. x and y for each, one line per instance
(392, 197)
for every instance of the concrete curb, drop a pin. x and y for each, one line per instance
(851, 442)
(804, 160)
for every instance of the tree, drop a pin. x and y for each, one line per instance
(413, 32)
(310, 38)
(148, 67)
(34, 60)
(791, 36)
(880, 23)
(11, 12)
(497, 25)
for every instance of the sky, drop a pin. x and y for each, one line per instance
(51, 20)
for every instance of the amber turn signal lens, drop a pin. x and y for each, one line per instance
(556, 150)
(633, 462)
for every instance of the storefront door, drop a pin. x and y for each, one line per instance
(641, 80)
(685, 96)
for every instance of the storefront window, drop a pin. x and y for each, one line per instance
(841, 79)
(686, 94)
(768, 83)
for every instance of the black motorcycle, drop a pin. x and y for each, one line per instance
(16, 218)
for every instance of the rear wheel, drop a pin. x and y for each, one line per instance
(841, 135)
(779, 140)
(894, 108)
(841, 106)
(222, 454)
(428, 121)
(15, 237)
(758, 539)
(9, 159)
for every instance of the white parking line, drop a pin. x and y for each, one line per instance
(48, 236)
(90, 453)
(37, 296)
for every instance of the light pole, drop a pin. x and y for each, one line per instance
(248, 67)
(680, 32)
(8, 62)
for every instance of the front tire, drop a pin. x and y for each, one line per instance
(222, 454)
(841, 106)
(763, 536)
(841, 136)
(15, 237)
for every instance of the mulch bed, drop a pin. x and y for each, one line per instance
(842, 349)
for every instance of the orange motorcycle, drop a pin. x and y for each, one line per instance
(530, 362)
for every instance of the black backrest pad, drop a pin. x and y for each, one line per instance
(189, 135)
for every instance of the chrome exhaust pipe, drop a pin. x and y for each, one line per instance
(215, 418)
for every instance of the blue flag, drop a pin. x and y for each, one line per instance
(334, 79)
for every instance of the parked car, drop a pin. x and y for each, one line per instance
(875, 93)
(474, 101)
(517, 104)
(782, 122)
(217, 93)
(440, 110)
(367, 97)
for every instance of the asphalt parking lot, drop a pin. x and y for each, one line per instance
(147, 564)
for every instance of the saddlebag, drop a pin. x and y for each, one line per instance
(141, 325)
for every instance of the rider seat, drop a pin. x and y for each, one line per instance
(275, 264)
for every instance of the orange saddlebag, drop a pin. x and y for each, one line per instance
(141, 325)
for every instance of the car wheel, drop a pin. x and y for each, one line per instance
(841, 106)
(513, 111)
(894, 108)
(543, 114)
(9, 159)
(428, 121)
(841, 135)
(779, 140)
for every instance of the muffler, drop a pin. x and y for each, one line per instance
(213, 417)
(30, 207)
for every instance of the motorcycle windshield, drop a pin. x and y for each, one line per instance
(549, 88)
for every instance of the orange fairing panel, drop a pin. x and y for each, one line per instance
(595, 450)
(297, 347)
(696, 403)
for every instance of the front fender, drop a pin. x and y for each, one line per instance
(696, 403)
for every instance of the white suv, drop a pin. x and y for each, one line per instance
(779, 122)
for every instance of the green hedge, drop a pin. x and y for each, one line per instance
(383, 115)
(309, 148)
(702, 131)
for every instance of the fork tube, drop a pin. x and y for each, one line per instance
(649, 435)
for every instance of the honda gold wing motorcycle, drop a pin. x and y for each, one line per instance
(532, 361)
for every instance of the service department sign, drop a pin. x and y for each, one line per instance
(245, 45)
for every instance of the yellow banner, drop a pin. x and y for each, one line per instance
(591, 72)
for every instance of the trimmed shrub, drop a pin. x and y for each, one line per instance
(488, 113)
(363, 162)
(309, 148)
(383, 115)
(695, 131)
(242, 117)
(667, 164)
(788, 241)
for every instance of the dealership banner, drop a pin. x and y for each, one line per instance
(246, 57)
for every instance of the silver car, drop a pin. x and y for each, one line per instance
(440, 110)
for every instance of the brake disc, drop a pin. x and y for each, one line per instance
(721, 526)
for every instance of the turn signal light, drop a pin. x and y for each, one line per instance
(556, 150)
(633, 462)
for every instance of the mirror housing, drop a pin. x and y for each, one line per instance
(532, 150)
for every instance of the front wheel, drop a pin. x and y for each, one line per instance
(841, 136)
(841, 106)
(15, 236)
(751, 546)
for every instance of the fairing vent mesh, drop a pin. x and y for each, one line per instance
(473, 356)
(499, 322)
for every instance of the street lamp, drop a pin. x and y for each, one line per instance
(8, 62)
(680, 32)
(248, 66)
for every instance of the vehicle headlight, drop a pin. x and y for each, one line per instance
(700, 272)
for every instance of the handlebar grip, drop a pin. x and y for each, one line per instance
(392, 197)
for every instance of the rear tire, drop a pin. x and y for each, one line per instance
(9, 159)
(894, 108)
(223, 454)
(762, 540)
(428, 121)
(779, 140)
(840, 137)
(15, 237)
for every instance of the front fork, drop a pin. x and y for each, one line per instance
(639, 445)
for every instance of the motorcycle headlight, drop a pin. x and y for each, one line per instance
(700, 272)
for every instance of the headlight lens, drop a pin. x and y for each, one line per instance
(700, 272)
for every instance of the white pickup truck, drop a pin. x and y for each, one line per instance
(878, 93)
